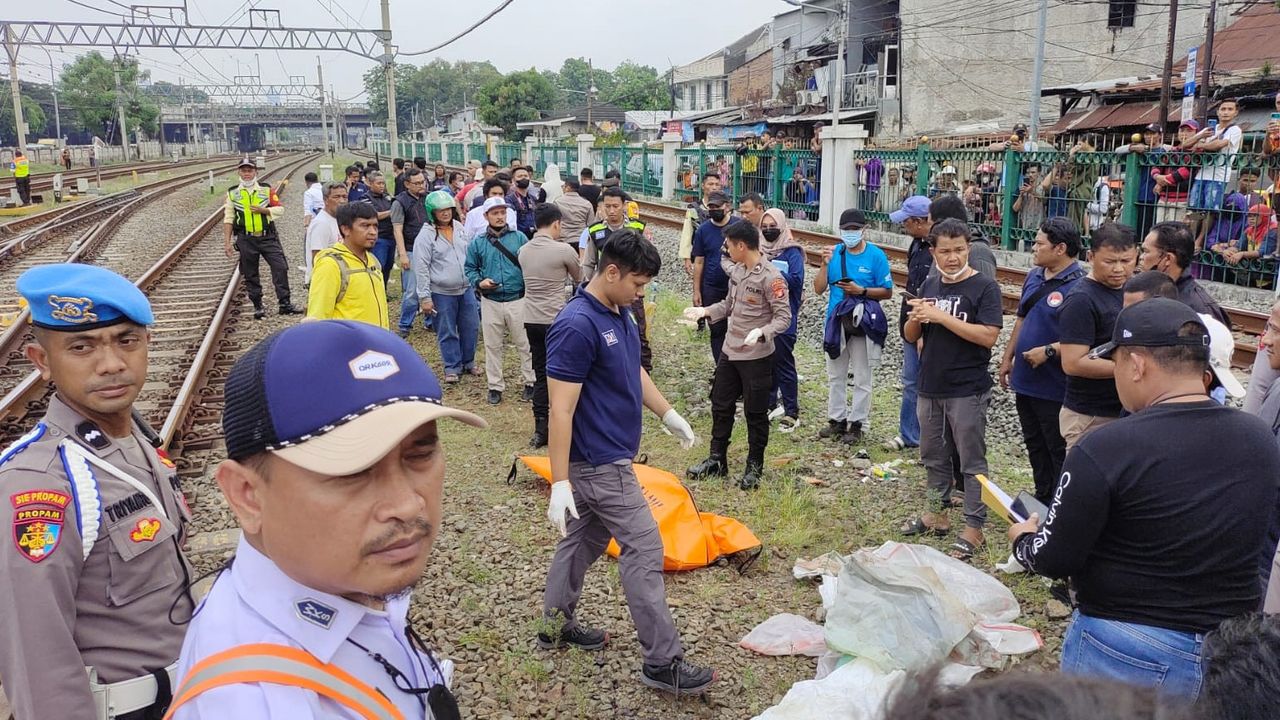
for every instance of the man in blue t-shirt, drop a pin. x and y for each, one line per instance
(1031, 365)
(597, 389)
(857, 272)
(710, 283)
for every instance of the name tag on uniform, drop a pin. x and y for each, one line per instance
(610, 338)
(316, 612)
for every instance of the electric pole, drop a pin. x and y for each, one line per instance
(324, 116)
(1211, 22)
(591, 88)
(837, 67)
(1166, 87)
(1037, 81)
(19, 122)
(389, 67)
(124, 125)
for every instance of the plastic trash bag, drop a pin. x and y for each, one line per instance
(786, 634)
(906, 607)
(854, 691)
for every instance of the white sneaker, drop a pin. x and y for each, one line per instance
(776, 413)
(895, 444)
(788, 424)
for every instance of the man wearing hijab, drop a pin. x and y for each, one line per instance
(780, 249)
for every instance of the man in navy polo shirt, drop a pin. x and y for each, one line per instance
(710, 283)
(597, 389)
(1031, 365)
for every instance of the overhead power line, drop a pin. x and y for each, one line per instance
(464, 33)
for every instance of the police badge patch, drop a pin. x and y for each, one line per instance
(37, 522)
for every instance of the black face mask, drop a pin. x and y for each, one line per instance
(716, 215)
(771, 234)
(522, 184)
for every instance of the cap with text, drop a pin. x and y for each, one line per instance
(331, 396)
(75, 296)
(1155, 322)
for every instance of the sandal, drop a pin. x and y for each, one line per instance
(961, 549)
(788, 424)
(917, 526)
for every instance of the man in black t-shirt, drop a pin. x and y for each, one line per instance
(958, 315)
(1086, 320)
(588, 188)
(1163, 537)
(1170, 247)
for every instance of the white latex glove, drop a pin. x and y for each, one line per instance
(679, 427)
(694, 314)
(561, 501)
(753, 337)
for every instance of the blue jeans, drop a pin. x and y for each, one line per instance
(786, 383)
(908, 421)
(1142, 655)
(457, 327)
(385, 251)
(409, 302)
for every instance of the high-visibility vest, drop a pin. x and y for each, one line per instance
(20, 167)
(282, 665)
(246, 220)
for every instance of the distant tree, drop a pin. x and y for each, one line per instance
(430, 91)
(639, 87)
(375, 85)
(31, 112)
(89, 90)
(165, 92)
(517, 97)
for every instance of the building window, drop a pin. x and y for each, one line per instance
(1121, 13)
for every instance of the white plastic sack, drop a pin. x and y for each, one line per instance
(853, 691)
(906, 607)
(786, 634)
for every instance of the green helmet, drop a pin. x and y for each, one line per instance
(440, 200)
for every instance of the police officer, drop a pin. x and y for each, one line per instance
(338, 520)
(613, 203)
(249, 216)
(93, 582)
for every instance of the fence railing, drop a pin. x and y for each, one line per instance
(508, 152)
(564, 156)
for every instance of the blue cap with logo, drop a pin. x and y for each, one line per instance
(916, 206)
(75, 296)
(331, 396)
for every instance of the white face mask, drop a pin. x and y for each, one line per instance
(952, 277)
(246, 184)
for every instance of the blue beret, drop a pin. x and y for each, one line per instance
(75, 296)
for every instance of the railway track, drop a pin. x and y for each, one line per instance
(1246, 325)
(193, 289)
(41, 182)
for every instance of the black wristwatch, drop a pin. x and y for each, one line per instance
(1050, 352)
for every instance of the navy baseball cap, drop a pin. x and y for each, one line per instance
(916, 206)
(330, 396)
(75, 296)
(1154, 322)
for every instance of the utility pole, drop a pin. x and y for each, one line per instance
(1166, 87)
(591, 86)
(19, 122)
(124, 125)
(1037, 81)
(57, 113)
(389, 67)
(324, 115)
(837, 67)
(1211, 22)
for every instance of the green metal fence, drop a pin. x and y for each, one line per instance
(455, 154)
(639, 168)
(508, 152)
(1226, 199)
(478, 151)
(435, 152)
(564, 156)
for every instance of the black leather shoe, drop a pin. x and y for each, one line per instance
(495, 397)
(583, 638)
(528, 393)
(259, 313)
(713, 465)
(291, 310)
(853, 435)
(751, 476)
(680, 677)
(834, 429)
(539, 438)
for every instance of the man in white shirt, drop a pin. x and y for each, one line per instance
(1210, 186)
(322, 231)
(476, 224)
(312, 199)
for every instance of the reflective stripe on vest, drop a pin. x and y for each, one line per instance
(282, 665)
(247, 220)
(20, 167)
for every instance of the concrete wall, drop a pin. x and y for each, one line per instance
(752, 82)
(956, 72)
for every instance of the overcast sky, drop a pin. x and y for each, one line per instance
(538, 33)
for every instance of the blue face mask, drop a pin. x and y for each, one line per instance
(851, 238)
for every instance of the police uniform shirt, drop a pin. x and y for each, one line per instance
(255, 602)
(262, 196)
(111, 610)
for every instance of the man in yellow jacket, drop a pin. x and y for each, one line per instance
(346, 279)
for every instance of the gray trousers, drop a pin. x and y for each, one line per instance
(611, 505)
(967, 418)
